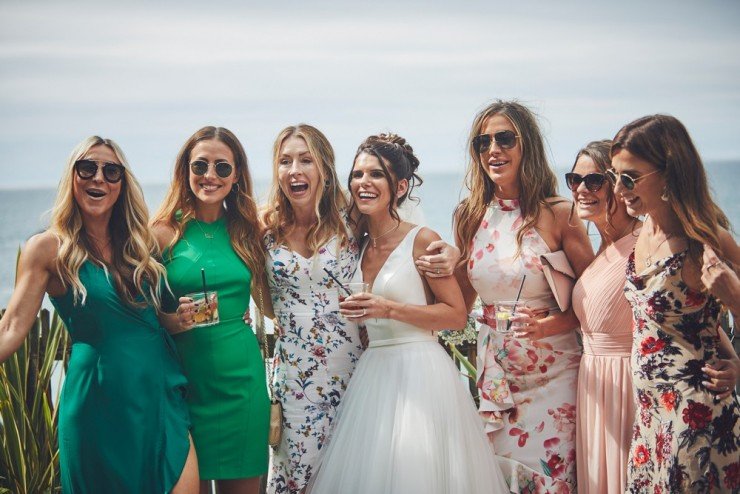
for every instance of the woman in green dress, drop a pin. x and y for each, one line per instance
(123, 420)
(208, 223)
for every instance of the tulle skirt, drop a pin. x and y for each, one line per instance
(407, 424)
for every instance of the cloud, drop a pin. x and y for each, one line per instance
(149, 75)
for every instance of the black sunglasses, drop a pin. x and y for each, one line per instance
(86, 169)
(627, 181)
(593, 181)
(200, 167)
(506, 139)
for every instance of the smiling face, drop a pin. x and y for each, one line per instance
(590, 206)
(96, 196)
(298, 173)
(370, 188)
(501, 165)
(644, 198)
(210, 189)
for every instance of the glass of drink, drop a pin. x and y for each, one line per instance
(354, 288)
(206, 308)
(505, 310)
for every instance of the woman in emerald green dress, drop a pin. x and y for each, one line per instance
(208, 221)
(123, 420)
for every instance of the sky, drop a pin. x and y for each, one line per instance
(149, 75)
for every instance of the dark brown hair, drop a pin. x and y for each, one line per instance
(398, 162)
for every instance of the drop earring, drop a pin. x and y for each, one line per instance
(664, 196)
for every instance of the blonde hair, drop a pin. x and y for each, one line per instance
(536, 179)
(664, 142)
(330, 202)
(134, 270)
(242, 223)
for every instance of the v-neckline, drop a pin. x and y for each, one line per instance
(390, 254)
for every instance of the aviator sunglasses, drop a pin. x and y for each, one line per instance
(627, 181)
(86, 169)
(593, 181)
(200, 167)
(506, 139)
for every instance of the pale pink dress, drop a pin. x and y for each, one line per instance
(606, 408)
(527, 390)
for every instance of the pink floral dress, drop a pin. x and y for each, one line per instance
(683, 440)
(527, 389)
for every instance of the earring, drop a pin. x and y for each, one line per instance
(664, 196)
(327, 183)
(235, 188)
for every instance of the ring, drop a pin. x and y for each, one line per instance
(436, 271)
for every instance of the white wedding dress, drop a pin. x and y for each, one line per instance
(407, 424)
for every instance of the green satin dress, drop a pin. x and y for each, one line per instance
(123, 419)
(228, 401)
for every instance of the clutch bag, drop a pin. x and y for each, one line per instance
(560, 277)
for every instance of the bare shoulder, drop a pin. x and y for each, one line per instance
(559, 207)
(42, 247)
(730, 249)
(164, 233)
(425, 237)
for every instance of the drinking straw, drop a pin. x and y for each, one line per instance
(338, 282)
(205, 290)
(519, 294)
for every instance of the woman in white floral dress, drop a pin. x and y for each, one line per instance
(307, 234)
(527, 380)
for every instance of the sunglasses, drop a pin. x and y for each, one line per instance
(87, 169)
(506, 139)
(200, 167)
(593, 181)
(627, 181)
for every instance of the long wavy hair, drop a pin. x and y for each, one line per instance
(398, 162)
(536, 179)
(664, 142)
(330, 204)
(134, 270)
(242, 223)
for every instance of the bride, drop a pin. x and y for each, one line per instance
(407, 423)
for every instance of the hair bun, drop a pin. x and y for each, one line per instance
(406, 148)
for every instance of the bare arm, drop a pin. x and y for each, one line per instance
(577, 247)
(448, 311)
(35, 268)
(439, 260)
(721, 278)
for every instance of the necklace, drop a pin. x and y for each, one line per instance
(387, 232)
(205, 234)
(649, 258)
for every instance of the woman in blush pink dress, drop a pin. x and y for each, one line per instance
(527, 380)
(605, 409)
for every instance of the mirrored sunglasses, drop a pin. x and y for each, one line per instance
(506, 139)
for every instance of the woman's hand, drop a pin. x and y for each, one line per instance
(363, 306)
(247, 317)
(720, 279)
(441, 264)
(185, 314)
(529, 323)
(723, 377)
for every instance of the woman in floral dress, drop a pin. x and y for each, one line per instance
(686, 435)
(527, 380)
(307, 235)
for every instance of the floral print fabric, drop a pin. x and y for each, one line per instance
(527, 389)
(683, 440)
(315, 357)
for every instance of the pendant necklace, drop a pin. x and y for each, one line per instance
(649, 258)
(387, 232)
(209, 236)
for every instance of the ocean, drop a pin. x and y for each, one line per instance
(25, 212)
